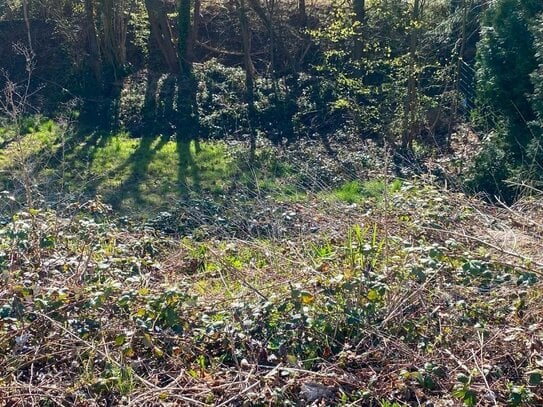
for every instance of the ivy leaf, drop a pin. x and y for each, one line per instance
(534, 377)
(120, 339)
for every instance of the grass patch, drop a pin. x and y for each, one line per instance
(153, 173)
(4, 135)
(268, 175)
(35, 139)
(136, 175)
(355, 191)
(27, 151)
(140, 176)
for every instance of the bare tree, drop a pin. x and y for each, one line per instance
(277, 46)
(15, 104)
(92, 40)
(249, 73)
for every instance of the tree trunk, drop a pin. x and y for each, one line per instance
(108, 38)
(302, 13)
(249, 74)
(410, 127)
(162, 33)
(184, 34)
(359, 8)
(115, 26)
(193, 36)
(188, 122)
(92, 40)
(461, 51)
(27, 23)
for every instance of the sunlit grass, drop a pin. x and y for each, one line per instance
(151, 174)
(134, 174)
(356, 191)
(35, 138)
(143, 176)
(156, 172)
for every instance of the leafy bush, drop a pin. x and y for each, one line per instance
(508, 96)
(491, 169)
(221, 92)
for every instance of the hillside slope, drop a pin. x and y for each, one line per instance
(415, 296)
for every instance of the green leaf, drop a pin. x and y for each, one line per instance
(534, 377)
(373, 295)
(462, 378)
(470, 398)
(120, 339)
(292, 360)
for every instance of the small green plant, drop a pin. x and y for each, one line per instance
(350, 192)
(116, 378)
(463, 391)
(519, 395)
(534, 377)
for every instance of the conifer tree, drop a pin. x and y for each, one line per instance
(506, 59)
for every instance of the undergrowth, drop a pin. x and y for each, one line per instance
(183, 273)
(342, 305)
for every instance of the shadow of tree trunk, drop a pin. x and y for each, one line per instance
(139, 166)
(188, 173)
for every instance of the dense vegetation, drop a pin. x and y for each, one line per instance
(263, 202)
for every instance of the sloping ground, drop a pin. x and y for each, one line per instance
(412, 297)
(144, 176)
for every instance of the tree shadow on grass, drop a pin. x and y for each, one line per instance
(131, 188)
(188, 173)
(139, 163)
(157, 113)
(79, 152)
(159, 116)
(59, 167)
(75, 162)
